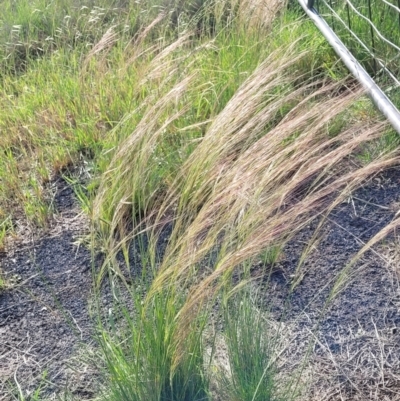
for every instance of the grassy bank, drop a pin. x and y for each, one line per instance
(81, 96)
(199, 140)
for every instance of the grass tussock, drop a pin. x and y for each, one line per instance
(271, 162)
(251, 352)
(246, 187)
(138, 353)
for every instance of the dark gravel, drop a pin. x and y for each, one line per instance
(44, 316)
(356, 350)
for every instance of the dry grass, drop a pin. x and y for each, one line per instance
(230, 179)
(268, 165)
(365, 368)
(244, 189)
(260, 13)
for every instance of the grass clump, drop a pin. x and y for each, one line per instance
(267, 162)
(235, 196)
(139, 352)
(251, 348)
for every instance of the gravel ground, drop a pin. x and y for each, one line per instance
(44, 320)
(355, 345)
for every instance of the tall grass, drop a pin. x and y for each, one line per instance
(139, 356)
(270, 162)
(209, 141)
(81, 97)
(264, 165)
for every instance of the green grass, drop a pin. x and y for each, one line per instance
(138, 345)
(250, 352)
(219, 132)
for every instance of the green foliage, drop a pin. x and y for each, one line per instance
(5, 229)
(251, 347)
(270, 255)
(388, 142)
(2, 283)
(140, 349)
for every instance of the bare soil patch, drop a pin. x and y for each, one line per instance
(353, 341)
(44, 316)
